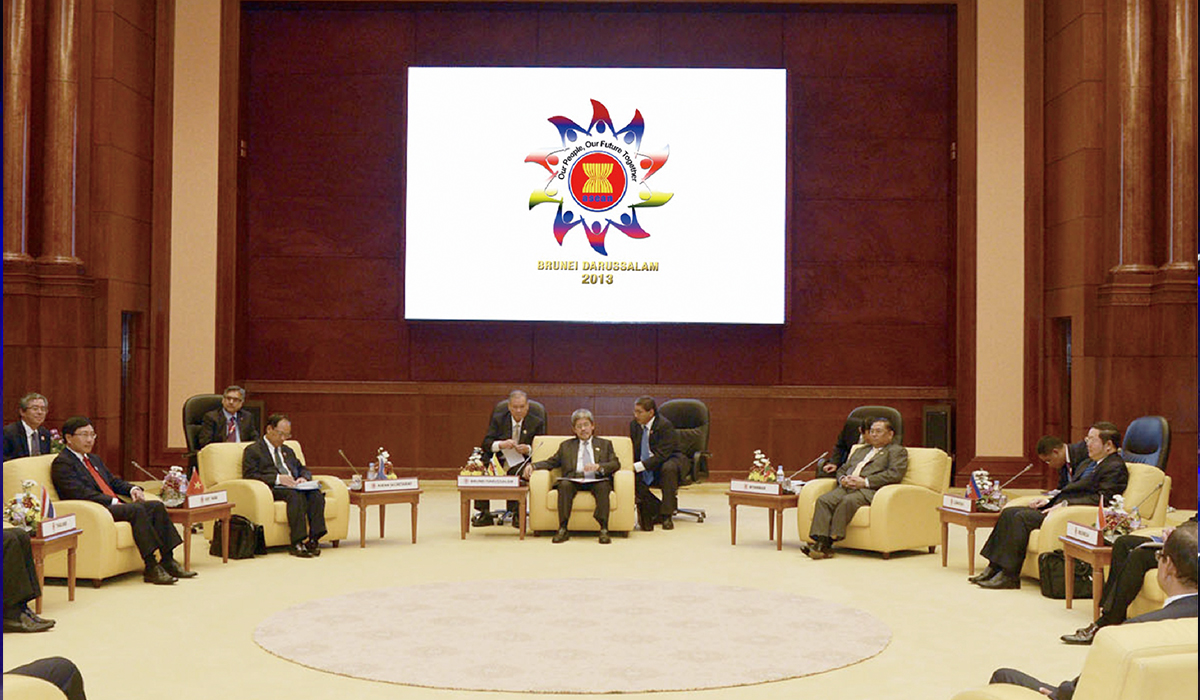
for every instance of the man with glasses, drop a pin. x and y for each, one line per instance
(28, 437)
(230, 422)
(80, 475)
(276, 465)
(868, 470)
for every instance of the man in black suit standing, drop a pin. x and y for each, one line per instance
(80, 475)
(513, 429)
(28, 437)
(1177, 574)
(230, 422)
(591, 459)
(1103, 476)
(657, 460)
(275, 464)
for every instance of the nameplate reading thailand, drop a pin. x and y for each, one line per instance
(57, 526)
(1083, 533)
(754, 487)
(497, 481)
(207, 499)
(955, 503)
(377, 485)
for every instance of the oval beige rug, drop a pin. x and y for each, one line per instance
(584, 636)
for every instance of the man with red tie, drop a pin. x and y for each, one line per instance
(80, 475)
(230, 422)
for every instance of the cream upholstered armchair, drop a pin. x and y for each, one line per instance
(1126, 662)
(18, 687)
(106, 547)
(221, 469)
(901, 516)
(1143, 480)
(543, 497)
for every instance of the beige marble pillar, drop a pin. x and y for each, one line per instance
(1181, 134)
(1136, 102)
(62, 137)
(17, 32)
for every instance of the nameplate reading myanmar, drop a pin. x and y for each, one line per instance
(56, 526)
(955, 503)
(496, 481)
(767, 487)
(1085, 534)
(211, 498)
(377, 485)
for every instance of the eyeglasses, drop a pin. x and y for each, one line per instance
(37, 407)
(1160, 554)
(85, 434)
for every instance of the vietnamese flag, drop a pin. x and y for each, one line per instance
(195, 486)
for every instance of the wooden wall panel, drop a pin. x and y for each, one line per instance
(722, 39)
(478, 38)
(566, 38)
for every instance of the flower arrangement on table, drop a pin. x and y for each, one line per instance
(381, 468)
(56, 442)
(475, 466)
(1113, 521)
(985, 492)
(761, 469)
(25, 509)
(174, 488)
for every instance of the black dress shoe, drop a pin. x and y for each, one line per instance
(984, 575)
(173, 568)
(1083, 635)
(26, 623)
(482, 519)
(1001, 581)
(157, 575)
(313, 547)
(604, 538)
(299, 550)
(668, 524)
(561, 536)
(38, 618)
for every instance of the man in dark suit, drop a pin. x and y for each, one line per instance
(512, 429)
(28, 437)
(275, 464)
(582, 457)
(866, 471)
(1067, 460)
(80, 475)
(20, 584)
(854, 433)
(1177, 574)
(658, 461)
(230, 422)
(1103, 476)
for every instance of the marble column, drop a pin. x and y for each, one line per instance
(1181, 134)
(1135, 80)
(17, 32)
(62, 137)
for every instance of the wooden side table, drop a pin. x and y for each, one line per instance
(382, 498)
(775, 505)
(190, 516)
(43, 548)
(970, 521)
(1098, 556)
(466, 494)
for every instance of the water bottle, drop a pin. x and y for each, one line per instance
(779, 476)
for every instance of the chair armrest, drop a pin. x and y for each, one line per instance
(1177, 517)
(539, 489)
(908, 499)
(1055, 525)
(999, 691)
(248, 496)
(92, 518)
(337, 487)
(1020, 501)
(815, 489)
(623, 487)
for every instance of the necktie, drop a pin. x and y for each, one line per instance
(863, 463)
(585, 453)
(516, 436)
(35, 444)
(104, 487)
(231, 430)
(647, 475)
(279, 462)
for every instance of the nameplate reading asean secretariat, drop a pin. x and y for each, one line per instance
(377, 485)
(497, 481)
(207, 499)
(56, 526)
(742, 486)
(1085, 534)
(955, 503)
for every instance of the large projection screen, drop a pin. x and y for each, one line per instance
(615, 195)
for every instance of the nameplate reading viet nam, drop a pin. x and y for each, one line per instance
(207, 499)
(56, 526)
(497, 481)
(377, 485)
(742, 486)
(1085, 534)
(955, 503)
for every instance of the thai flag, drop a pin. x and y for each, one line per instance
(973, 491)
(47, 505)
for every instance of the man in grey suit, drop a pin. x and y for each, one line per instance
(868, 470)
(593, 462)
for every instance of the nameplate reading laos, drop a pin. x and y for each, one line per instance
(56, 526)
(495, 481)
(955, 503)
(742, 486)
(1085, 534)
(207, 499)
(378, 485)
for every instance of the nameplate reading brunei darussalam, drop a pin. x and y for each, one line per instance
(742, 486)
(56, 526)
(1085, 534)
(207, 499)
(377, 485)
(497, 481)
(955, 503)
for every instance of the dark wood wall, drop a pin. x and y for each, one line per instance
(872, 245)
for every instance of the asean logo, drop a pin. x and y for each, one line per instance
(603, 172)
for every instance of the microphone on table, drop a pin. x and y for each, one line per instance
(1143, 501)
(343, 454)
(818, 459)
(1027, 468)
(139, 468)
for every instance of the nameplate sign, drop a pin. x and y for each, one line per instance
(742, 486)
(56, 526)
(495, 481)
(378, 485)
(1085, 534)
(955, 503)
(211, 498)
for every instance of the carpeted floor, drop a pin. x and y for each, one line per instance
(591, 635)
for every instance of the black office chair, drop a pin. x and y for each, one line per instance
(690, 418)
(193, 415)
(1147, 440)
(535, 409)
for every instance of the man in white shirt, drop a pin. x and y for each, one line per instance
(658, 461)
(588, 464)
(28, 437)
(511, 430)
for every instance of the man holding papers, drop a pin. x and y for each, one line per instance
(588, 464)
(509, 436)
(275, 464)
